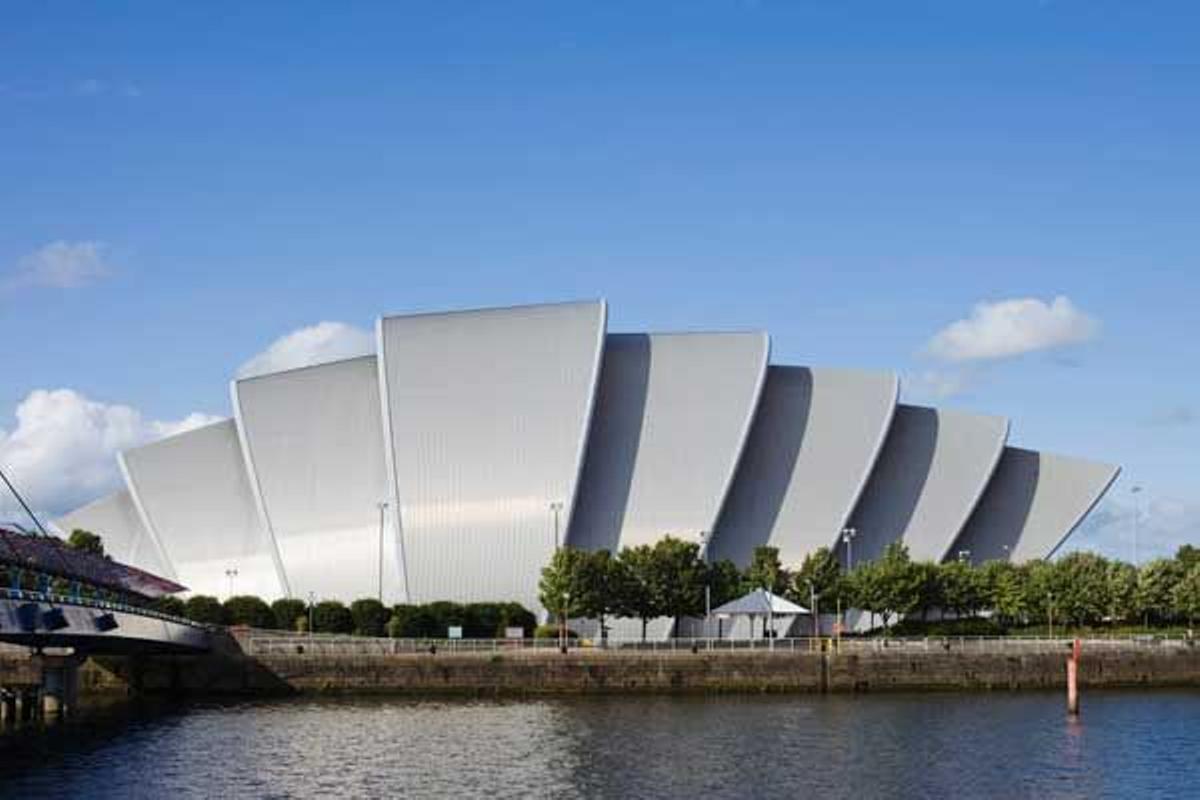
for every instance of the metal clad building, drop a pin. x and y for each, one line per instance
(495, 436)
(314, 445)
(671, 417)
(815, 437)
(486, 414)
(1033, 503)
(194, 498)
(933, 468)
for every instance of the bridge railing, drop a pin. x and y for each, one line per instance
(256, 642)
(54, 599)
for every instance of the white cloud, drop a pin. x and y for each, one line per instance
(61, 265)
(316, 344)
(1011, 328)
(63, 450)
(1164, 524)
(936, 384)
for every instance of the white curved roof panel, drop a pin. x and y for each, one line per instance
(485, 416)
(934, 467)
(814, 439)
(313, 438)
(671, 418)
(113, 518)
(195, 499)
(1033, 503)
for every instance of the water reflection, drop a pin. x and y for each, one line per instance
(1002, 745)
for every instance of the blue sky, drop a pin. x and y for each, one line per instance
(180, 186)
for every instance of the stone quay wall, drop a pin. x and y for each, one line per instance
(931, 665)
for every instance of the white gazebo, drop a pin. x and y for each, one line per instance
(760, 603)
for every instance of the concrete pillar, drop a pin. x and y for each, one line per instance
(60, 686)
(8, 706)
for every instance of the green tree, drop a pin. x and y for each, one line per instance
(677, 577)
(369, 616)
(1004, 592)
(85, 542)
(248, 610)
(287, 611)
(724, 581)
(635, 585)
(900, 583)
(595, 583)
(332, 616)
(765, 571)
(515, 615)
(1185, 596)
(1188, 557)
(927, 576)
(559, 588)
(1156, 582)
(1040, 591)
(205, 610)
(168, 604)
(1083, 580)
(1122, 591)
(962, 588)
(820, 572)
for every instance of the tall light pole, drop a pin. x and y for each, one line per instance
(848, 535)
(704, 537)
(562, 631)
(312, 601)
(1050, 612)
(231, 574)
(1137, 508)
(382, 511)
(556, 508)
(812, 607)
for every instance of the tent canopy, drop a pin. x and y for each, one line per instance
(760, 602)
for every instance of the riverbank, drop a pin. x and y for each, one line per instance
(807, 667)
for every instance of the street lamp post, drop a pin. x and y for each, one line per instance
(812, 605)
(1050, 613)
(312, 601)
(231, 574)
(556, 508)
(1135, 491)
(848, 535)
(704, 537)
(382, 510)
(562, 622)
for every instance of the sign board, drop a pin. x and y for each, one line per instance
(514, 633)
(454, 632)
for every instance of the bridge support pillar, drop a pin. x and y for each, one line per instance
(8, 705)
(59, 690)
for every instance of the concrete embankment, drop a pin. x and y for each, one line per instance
(587, 673)
(929, 666)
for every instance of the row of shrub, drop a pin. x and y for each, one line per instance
(365, 617)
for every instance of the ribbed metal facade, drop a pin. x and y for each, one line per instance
(314, 443)
(816, 434)
(671, 418)
(932, 471)
(495, 436)
(195, 500)
(486, 414)
(1033, 503)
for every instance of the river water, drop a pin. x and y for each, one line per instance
(1127, 745)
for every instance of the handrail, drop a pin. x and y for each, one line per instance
(104, 605)
(257, 642)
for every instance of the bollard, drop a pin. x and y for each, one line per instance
(1073, 679)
